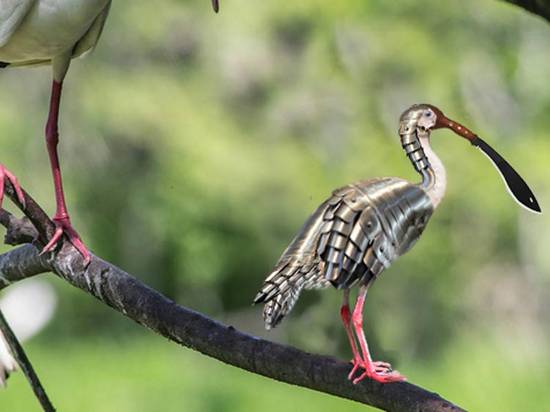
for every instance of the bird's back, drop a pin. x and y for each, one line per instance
(356, 233)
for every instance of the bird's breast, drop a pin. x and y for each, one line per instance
(402, 209)
(51, 28)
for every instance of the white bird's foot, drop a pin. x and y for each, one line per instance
(6, 174)
(63, 226)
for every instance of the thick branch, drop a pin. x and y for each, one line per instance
(539, 7)
(21, 263)
(149, 308)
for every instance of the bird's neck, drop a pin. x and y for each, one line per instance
(416, 144)
(434, 176)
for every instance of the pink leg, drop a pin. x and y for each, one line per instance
(61, 217)
(379, 371)
(346, 319)
(6, 174)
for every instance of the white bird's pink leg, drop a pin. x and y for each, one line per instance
(61, 217)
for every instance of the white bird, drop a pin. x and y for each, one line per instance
(28, 307)
(34, 32)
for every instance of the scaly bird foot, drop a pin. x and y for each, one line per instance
(63, 225)
(378, 371)
(6, 174)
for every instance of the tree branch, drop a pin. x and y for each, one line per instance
(128, 295)
(538, 7)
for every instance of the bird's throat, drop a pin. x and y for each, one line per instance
(435, 180)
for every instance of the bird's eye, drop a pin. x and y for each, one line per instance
(428, 114)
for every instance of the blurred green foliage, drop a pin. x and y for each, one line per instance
(194, 146)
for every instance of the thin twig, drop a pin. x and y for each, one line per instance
(25, 365)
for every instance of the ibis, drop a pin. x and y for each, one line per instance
(363, 227)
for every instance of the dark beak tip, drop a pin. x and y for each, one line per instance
(533, 205)
(530, 203)
(536, 208)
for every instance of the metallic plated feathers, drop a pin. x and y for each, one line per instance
(353, 236)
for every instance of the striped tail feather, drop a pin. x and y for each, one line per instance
(282, 288)
(279, 306)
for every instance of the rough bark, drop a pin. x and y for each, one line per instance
(126, 294)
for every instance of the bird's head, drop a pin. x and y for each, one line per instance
(423, 118)
(419, 120)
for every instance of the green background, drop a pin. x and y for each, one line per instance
(194, 145)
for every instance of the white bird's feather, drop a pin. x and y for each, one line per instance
(12, 13)
(88, 42)
(28, 307)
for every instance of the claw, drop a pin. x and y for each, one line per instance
(5, 173)
(382, 367)
(382, 364)
(356, 365)
(63, 225)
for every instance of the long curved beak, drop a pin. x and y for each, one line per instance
(216, 5)
(517, 187)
